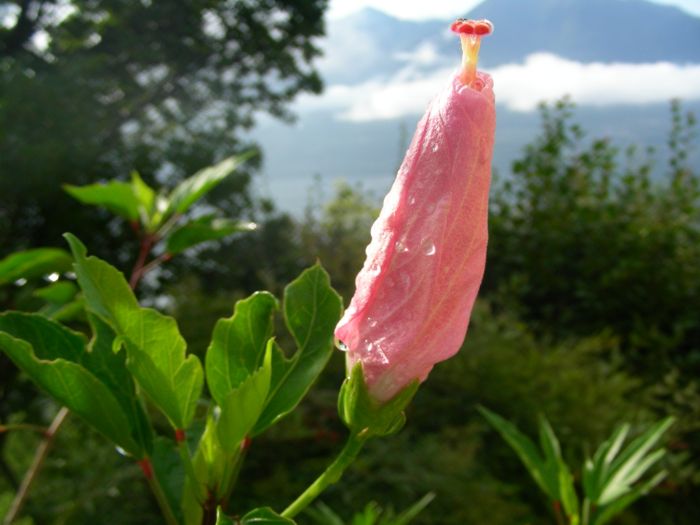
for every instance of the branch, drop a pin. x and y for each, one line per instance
(39, 457)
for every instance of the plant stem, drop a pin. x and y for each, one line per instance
(23, 426)
(39, 457)
(199, 489)
(331, 475)
(558, 514)
(147, 242)
(231, 474)
(157, 490)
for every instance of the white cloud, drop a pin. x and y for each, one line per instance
(424, 55)
(519, 87)
(405, 9)
(544, 76)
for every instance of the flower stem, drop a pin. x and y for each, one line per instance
(38, 461)
(331, 475)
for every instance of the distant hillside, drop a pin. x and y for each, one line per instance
(590, 30)
(371, 44)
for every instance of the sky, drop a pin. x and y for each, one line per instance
(423, 9)
(409, 90)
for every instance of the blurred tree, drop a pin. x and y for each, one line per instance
(91, 89)
(582, 242)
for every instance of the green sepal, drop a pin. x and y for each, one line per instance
(366, 415)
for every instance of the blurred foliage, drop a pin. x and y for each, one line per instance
(581, 242)
(161, 87)
(337, 232)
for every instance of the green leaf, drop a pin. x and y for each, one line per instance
(156, 352)
(238, 344)
(145, 196)
(242, 406)
(210, 463)
(312, 308)
(412, 512)
(58, 293)
(261, 516)
(195, 187)
(207, 228)
(110, 368)
(523, 447)
(31, 264)
(322, 514)
(596, 470)
(605, 513)
(117, 197)
(633, 462)
(50, 355)
(265, 516)
(556, 471)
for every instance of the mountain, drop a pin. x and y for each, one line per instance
(372, 44)
(632, 31)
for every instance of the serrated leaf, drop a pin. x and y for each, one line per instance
(51, 355)
(195, 187)
(242, 406)
(207, 228)
(156, 352)
(523, 447)
(311, 308)
(238, 344)
(110, 368)
(30, 264)
(115, 196)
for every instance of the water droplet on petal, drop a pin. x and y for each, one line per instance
(371, 322)
(429, 249)
(435, 147)
(340, 345)
(412, 201)
(401, 247)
